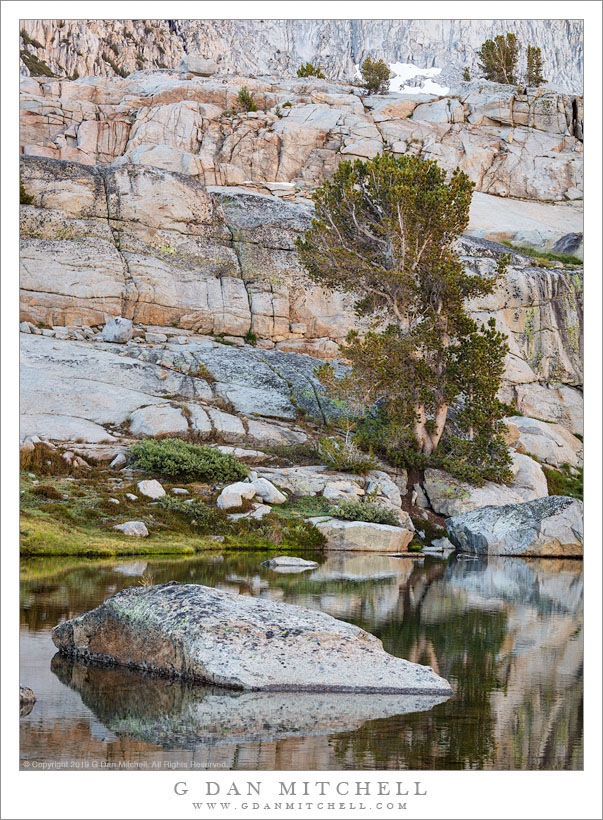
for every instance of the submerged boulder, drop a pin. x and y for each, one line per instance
(552, 526)
(208, 635)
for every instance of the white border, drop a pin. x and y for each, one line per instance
(450, 794)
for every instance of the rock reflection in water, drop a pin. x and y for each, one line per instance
(506, 632)
(177, 714)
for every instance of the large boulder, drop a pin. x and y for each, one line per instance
(450, 496)
(549, 442)
(137, 529)
(118, 330)
(156, 420)
(233, 495)
(198, 65)
(204, 634)
(362, 535)
(551, 526)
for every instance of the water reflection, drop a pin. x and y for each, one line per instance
(180, 715)
(506, 632)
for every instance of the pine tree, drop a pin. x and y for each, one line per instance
(375, 75)
(386, 229)
(310, 70)
(498, 59)
(534, 76)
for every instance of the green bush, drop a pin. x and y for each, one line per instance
(562, 482)
(309, 70)
(373, 513)
(246, 101)
(345, 456)
(174, 457)
(206, 518)
(280, 531)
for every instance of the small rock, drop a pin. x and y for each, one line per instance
(420, 499)
(268, 492)
(233, 495)
(151, 488)
(155, 338)
(289, 563)
(24, 327)
(136, 528)
(260, 511)
(114, 501)
(118, 461)
(131, 497)
(27, 447)
(118, 330)
(179, 491)
(26, 694)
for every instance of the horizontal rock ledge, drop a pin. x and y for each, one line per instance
(206, 635)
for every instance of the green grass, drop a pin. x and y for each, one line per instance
(545, 256)
(307, 506)
(64, 517)
(562, 482)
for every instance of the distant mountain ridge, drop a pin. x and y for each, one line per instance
(75, 48)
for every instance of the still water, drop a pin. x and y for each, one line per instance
(506, 632)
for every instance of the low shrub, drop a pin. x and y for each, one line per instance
(43, 460)
(197, 513)
(246, 101)
(280, 531)
(307, 506)
(345, 456)
(24, 197)
(174, 457)
(47, 491)
(562, 482)
(373, 513)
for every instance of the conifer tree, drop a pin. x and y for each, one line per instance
(375, 75)
(534, 76)
(498, 59)
(385, 230)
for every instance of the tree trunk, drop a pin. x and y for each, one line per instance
(426, 441)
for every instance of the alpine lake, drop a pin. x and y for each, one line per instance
(506, 632)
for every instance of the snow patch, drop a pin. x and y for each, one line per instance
(407, 71)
